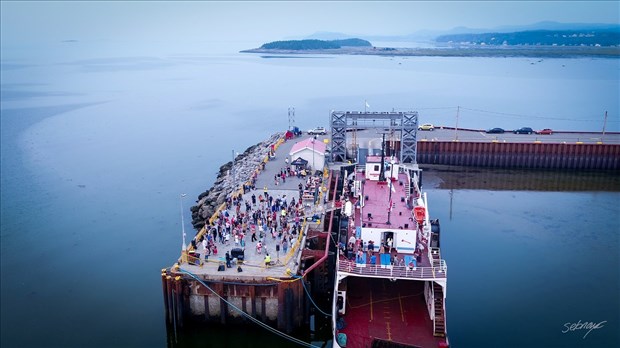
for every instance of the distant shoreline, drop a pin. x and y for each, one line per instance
(512, 51)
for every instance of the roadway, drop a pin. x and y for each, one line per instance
(470, 135)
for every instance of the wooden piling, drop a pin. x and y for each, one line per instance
(253, 300)
(281, 322)
(219, 289)
(263, 306)
(178, 286)
(170, 299)
(164, 286)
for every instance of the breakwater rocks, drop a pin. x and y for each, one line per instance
(246, 166)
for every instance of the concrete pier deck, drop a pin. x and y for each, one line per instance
(253, 267)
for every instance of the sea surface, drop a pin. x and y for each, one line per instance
(99, 139)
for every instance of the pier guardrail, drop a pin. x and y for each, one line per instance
(389, 271)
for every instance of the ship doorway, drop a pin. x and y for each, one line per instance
(387, 240)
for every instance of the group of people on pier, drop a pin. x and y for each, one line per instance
(265, 222)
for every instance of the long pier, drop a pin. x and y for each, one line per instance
(200, 290)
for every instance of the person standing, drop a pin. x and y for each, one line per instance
(228, 259)
(352, 240)
(373, 260)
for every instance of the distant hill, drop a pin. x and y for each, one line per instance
(599, 37)
(315, 44)
(431, 35)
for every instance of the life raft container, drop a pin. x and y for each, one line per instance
(420, 214)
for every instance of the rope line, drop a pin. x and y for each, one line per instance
(311, 300)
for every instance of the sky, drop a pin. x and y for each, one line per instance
(265, 21)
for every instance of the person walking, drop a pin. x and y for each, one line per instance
(373, 261)
(285, 245)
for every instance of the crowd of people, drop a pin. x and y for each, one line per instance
(262, 223)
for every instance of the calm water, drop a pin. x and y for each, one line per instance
(98, 141)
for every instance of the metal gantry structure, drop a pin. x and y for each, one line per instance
(344, 122)
(291, 117)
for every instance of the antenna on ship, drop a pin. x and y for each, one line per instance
(382, 172)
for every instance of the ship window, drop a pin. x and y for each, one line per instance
(376, 167)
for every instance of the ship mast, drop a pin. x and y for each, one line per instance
(382, 172)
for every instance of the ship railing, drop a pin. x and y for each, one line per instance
(390, 271)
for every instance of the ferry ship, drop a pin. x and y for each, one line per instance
(390, 286)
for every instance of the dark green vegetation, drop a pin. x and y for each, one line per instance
(603, 37)
(315, 44)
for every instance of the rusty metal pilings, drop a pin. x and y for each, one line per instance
(521, 155)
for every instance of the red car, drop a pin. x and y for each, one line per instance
(545, 131)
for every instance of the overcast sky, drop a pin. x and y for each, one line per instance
(275, 20)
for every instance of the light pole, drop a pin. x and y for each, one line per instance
(313, 140)
(183, 247)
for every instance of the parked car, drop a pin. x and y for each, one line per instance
(317, 130)
(545, 131)
(426, 127)
(495, 130)
(524, 130)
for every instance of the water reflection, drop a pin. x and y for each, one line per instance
(453, 177)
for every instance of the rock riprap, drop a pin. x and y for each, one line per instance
(245, 164)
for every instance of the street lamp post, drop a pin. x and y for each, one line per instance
(183, 247)
(313, 140)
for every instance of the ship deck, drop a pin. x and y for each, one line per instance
(375, 214)
(387, 310)
(378, 204)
